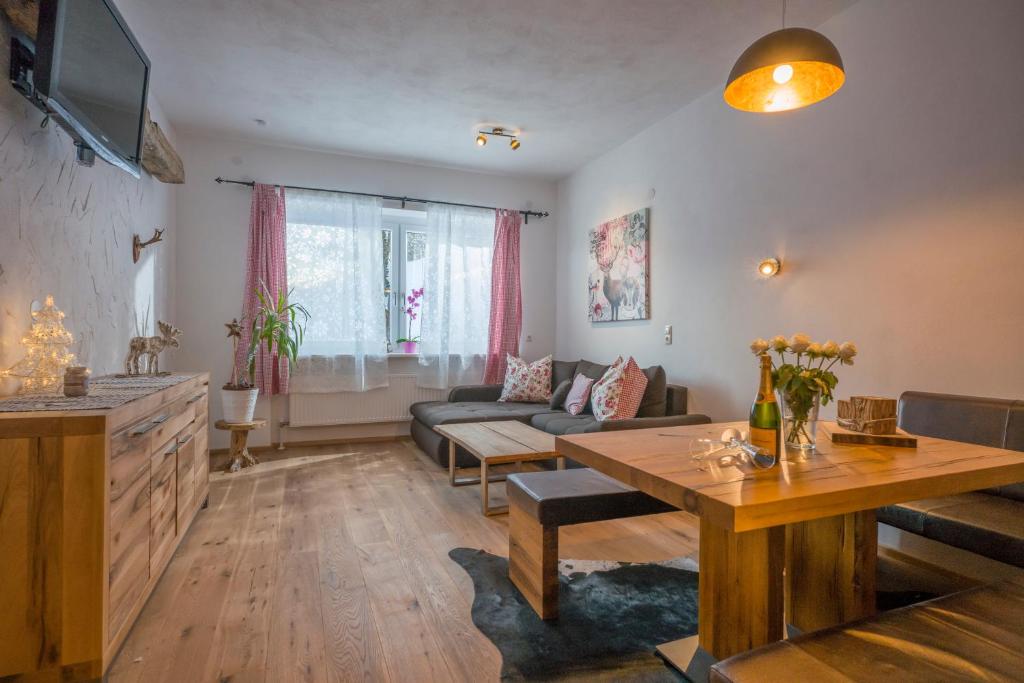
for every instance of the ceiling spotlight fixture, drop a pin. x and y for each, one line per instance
(769, 267)
(481, 138)
(784, 70)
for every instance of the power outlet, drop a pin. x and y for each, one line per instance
(668, 334)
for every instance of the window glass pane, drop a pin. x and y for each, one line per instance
(415, 276)
(388, 280)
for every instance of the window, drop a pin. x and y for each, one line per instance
(405, 261)
(353, 263)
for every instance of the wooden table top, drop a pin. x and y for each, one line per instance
(837, 479)
(497, 442)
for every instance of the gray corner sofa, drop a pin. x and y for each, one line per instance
(663, 405)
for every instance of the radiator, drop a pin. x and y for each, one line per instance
(390, 404)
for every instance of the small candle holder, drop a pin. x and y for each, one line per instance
(76, 381)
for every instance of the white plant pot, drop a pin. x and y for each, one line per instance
(238, 404)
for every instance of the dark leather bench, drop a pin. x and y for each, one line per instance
(540, 503)
(974, 635)
(989, 522)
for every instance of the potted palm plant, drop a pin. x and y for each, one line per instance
(279, 325)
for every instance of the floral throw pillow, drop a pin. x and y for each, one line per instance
(618, 394)
(576, 401)
(527, 382)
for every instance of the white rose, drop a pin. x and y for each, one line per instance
(847, 350)
(830, 349)
(779, 344)
(815, 350)
(799, 343)
(758, 346)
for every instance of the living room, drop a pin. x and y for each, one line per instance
(454, 341)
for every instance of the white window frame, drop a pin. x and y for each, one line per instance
(400, 222)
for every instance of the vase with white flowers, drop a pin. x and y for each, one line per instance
(804, 381)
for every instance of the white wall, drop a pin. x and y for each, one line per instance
(214, 223)
(897, 207)
(66, 230)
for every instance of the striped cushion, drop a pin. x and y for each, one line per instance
(578, 395)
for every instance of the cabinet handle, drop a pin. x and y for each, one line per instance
(195, 398)
(140, 430)
(184, 441)
(171, 451)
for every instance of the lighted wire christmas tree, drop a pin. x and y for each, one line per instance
(46, 344)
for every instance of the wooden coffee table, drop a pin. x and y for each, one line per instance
(496, 443)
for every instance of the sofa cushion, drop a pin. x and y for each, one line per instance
(563, 423)
(562, 370)
(978, 522)
(655, 397)
(433, 413)
(594, 371)
(527, 382)
(559, 395)
(579, 394)
(959, 418)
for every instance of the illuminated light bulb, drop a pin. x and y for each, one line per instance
(769, 267)
(514, 144)
(782, 73)
(481, 140)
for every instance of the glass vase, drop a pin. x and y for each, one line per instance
(800, 420)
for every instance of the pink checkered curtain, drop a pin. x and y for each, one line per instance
(506, 297)
(266, 265)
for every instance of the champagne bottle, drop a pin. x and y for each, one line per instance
(765, 419)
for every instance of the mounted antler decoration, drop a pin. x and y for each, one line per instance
(138, 245)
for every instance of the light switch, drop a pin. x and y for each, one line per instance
(668, 334)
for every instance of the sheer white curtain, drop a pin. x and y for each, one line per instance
(457, 295)
(336, 270)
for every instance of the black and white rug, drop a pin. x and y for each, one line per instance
(611, 617)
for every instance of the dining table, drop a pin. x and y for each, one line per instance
(792, 544)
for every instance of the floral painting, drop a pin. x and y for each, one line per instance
(619, 263)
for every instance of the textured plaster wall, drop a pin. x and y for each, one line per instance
(66, 230)
(897, 207)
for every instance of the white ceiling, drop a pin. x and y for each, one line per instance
(410, 79)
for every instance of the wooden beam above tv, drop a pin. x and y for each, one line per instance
(158, 156)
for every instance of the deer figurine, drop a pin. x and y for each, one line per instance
(151, 348)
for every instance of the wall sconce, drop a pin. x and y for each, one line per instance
(769, 267)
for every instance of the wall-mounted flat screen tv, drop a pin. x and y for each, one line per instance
(94, 77)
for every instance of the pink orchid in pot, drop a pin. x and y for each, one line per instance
(410, 344)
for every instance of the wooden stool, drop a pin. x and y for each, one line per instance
(240, 455)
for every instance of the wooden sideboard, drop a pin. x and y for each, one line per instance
(92, 506)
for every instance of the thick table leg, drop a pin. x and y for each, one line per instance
(830, 570)
(533, 562)
(740, 597)
(451, 462)
(741, 589)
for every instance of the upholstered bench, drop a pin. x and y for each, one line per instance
(973, 635)
(987, 522)
(540, 502)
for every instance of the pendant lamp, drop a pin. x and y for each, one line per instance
(787, 69)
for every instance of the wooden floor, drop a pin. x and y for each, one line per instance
(333, 566)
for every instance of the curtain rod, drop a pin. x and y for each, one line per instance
(526, 214)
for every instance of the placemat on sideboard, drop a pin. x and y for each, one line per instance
(108, 391)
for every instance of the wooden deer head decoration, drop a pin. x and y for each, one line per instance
(138, 245)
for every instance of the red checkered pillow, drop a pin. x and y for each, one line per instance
(528, 383)
(618, 393)
(576, 401)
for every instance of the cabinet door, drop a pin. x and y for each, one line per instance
(129, 549)
(202, 459)
(186, 479)
(164, 517)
